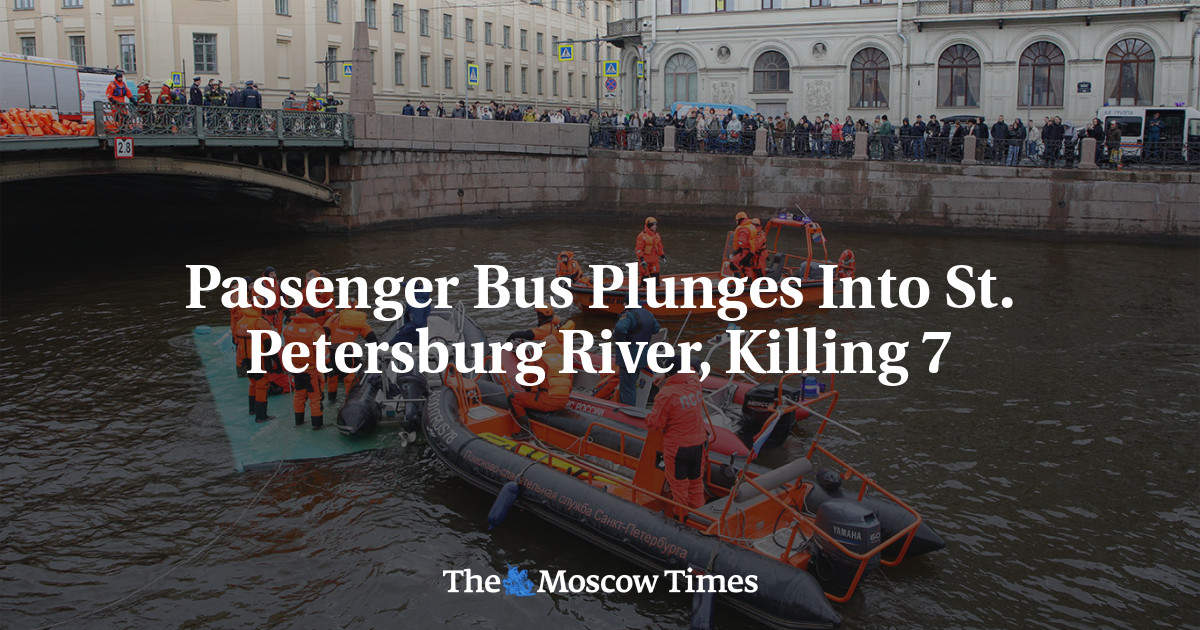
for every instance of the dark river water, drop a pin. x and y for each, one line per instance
(1055, 450)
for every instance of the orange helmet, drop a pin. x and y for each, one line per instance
(755, 221)
(566, 255)
(741, 216)
(312, 273)
(651, 221)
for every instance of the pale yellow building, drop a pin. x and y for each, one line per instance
(421, 47)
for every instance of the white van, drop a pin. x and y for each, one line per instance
(1180, 139)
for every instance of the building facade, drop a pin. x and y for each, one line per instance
(421, 48)
(1026, 58)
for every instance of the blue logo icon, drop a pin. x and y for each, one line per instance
(518, 583)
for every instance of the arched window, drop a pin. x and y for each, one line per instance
(1129, 73)
(869, 73)
(958, 77)
(771, 73)
(680, 74)
(1041, 75)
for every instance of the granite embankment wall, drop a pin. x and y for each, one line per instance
(409, 169)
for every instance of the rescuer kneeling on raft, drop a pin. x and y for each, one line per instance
(309, 385)
(745, 242)
(639, 326)
(344, 328)
(678, 413)
(553, 392)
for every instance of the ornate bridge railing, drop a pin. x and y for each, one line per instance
(232, 126)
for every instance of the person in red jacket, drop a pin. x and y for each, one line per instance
(649, 249)
(144, 91)
(745, 239)
(679, 413)
(118, 91)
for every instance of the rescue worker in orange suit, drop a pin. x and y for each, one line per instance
(321, 313)
(760, 249)
(569, 267)
(274, 313)
(343, 328)
(117, 91)
(310, 383)
(678, 413)
(649, 249)
(164, 94)
(251, 319)
(745, 239)
(144, 91)
(547, 324)
(554, 392)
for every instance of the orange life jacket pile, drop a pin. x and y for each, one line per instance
(20, 122)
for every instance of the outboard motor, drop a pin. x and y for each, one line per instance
(360, 414)
(415, 390)
(756, 411)
(857, 529)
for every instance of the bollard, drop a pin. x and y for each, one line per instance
(860, 145)
(1087, 157)
(969, 144)
(669, 139)
(760, 142)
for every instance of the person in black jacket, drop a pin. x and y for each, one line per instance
(1052, 137)
(250, 97)
(918, 139)
(999, 139)
(196, 94)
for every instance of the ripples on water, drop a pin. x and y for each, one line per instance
(1055, 451)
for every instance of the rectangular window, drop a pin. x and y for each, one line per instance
(541, 43)
(424, 23)
(398, 18)
(424, 68)
(570, 84)
(123, 3)
(524, 39)
(508, 37)
(204, 51)
(554, 45)
(570, 7)
(607, 13)
(554, 83)
(596, 11)
(447, 26)
(448, 72)
(331, 11)
(772, 4)
(554, 4)
(962, 6)
(331, 69)
(487, 77)
(825, 3)
(29, 46)
(508, 78)
(487, 33)
(370, 14)
(72, 4)
(720, 5)
(540, 72)
(23, 5)
(677, 7)
(78, 50)
(870, 2)
(281, 7)
(1044, 5)
(129, 53)
(583, 87)
(398, 68)
(282, 57)
(583, 48)
(524, 80)
(469, 30)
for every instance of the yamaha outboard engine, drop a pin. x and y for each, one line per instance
(857, 529)
(756, 411)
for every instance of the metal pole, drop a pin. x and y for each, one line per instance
(597, 74)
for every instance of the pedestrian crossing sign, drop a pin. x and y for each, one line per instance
(472, 74)
(176, 79)
(641, 70)
(347, 69)
(611, 69)
(566, 52)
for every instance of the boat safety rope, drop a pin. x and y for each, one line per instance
(192, 556)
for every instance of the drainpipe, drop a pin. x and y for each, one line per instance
(903, 59)
(653, 41)
(1194, 96)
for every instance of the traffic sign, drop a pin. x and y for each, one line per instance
(347, 69)
(641, 70)
(610, 83)
(176, 79)
(566, 52)
(122, 148)
(611, 69)
(472, 74)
